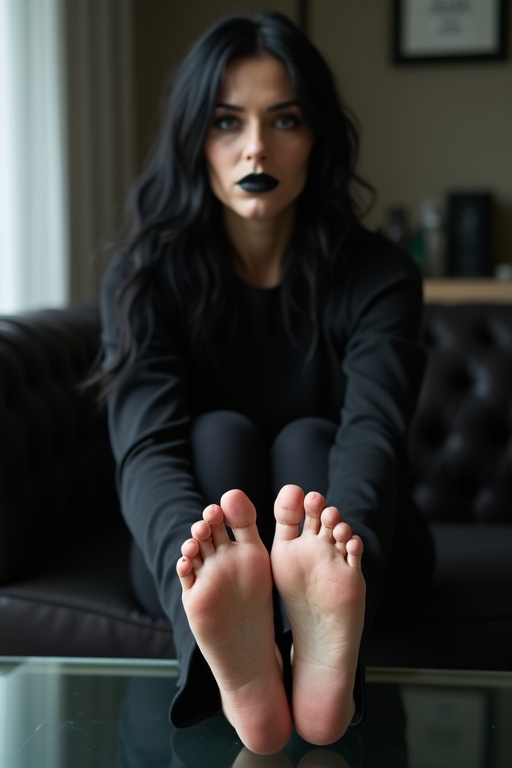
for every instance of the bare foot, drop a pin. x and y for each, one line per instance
(318, 575)
(227, 596)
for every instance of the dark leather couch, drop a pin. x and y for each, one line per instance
(64, 587)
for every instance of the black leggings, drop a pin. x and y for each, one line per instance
(229, 452)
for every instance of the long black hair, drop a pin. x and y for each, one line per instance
(175, 240)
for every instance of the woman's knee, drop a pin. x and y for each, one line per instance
(304, 435)
(300, 454)
(228, 452)
(214, 426)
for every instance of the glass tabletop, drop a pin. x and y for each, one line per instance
(103, 713)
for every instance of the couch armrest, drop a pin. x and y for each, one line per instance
(56, 468)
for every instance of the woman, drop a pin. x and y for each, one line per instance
(260, 345)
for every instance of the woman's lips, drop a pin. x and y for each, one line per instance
(258, 182)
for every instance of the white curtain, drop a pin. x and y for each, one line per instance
(33, 243)
(100, 131)
(66, 145)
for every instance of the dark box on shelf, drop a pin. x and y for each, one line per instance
(470, 234)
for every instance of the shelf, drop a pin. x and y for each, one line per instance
(458, 290)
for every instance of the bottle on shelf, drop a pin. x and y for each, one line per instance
(397, 229)
(433, 238)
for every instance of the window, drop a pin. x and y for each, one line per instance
(66, 145)
(32, 152)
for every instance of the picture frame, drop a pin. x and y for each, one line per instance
(429, 31)
(302, 7)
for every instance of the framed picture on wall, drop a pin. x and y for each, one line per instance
(449, 30)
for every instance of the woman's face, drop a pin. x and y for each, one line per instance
(258, 148)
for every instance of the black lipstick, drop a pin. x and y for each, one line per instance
(258, 182)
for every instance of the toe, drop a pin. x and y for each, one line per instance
(240, 515)
(186, 573)
(342, 532)
(201, 532)
(214, 516)
(314, 503)
(329, 519)
(354, 551)
(289, 512)
(190, 548)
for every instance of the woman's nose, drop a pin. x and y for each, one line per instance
(255, 148)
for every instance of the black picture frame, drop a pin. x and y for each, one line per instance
(303, 15)
(430, 31)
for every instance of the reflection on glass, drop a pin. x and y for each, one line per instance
(24, 704)
(147, 739)
(99, 714)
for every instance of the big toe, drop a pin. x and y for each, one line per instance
(240, 515)
(289, 512)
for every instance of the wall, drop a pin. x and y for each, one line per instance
(426, 129)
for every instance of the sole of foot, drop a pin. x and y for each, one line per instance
(227, 596)
(317, 572)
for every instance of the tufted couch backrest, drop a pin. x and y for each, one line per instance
(461, 437)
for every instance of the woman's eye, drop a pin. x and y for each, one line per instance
(226, 123)
(288, 122)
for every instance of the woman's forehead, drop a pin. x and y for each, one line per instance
(263, 73)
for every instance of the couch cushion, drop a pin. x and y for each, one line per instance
(80, 604)
(465, 622)
(473, 578)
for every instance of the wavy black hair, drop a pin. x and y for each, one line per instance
(175, 240)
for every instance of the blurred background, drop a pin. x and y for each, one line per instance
(80, 98)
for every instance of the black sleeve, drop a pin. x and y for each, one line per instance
(149, 427)
(149, 424)
(383, 366)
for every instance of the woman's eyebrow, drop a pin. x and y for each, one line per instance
(273, 108)
(284, 105)
(225, 105)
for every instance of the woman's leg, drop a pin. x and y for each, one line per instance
(316, 563)
(300, 456)
(227, 596)
(227, 583)
(228, 452)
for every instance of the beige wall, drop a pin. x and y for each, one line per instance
(427, 129)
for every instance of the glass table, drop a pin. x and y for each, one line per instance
(95, 713)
